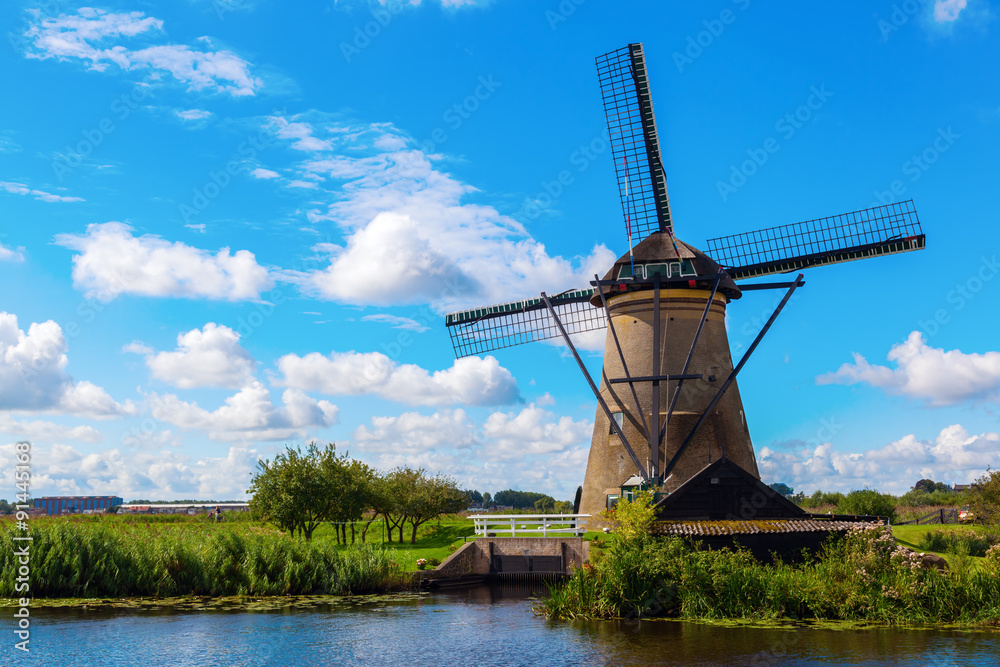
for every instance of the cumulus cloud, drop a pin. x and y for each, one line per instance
(248, 415)
(60, 469)
(931, 374)
(11, 254)
(410, 235)
(533, 431)
(99, 37)
(419, 433)
(113, 262)
(33, 375)
(946, 11)
(43, 431)
(389, 262)
(469, 381)
(954, 456)
(208, 357)
(530, 450)
(264, 173)
(40, 195)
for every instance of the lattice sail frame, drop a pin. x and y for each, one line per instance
(635, 145)
(872, 232)
(482, 330)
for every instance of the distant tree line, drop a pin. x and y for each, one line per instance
(298, 490)
(519, 500)
(982, 497)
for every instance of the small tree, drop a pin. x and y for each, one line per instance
(783, 489)
(985, 502)
(398, 486)
(382, 501)
(296, 491)
(868, 502)
(632, 519)
(545, 504)
(430, 497)
(352, 481)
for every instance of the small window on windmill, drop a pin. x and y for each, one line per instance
(656, 270)
(625, 272)
(619, 418)
(687, 268)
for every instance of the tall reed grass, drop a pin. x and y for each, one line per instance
(864, 576)
(113, 558)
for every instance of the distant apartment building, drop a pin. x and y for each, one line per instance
(56, 505)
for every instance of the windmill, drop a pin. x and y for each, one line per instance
(668, 401)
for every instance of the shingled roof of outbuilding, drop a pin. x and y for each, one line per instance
(706, 528)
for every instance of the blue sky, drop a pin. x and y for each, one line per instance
(232, 225)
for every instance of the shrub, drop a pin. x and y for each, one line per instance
(862, 576)
(868, 502)
(821, 498)
(956, 541)
(917, 498)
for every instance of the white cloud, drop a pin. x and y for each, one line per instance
(33, 374)
(41, 195)
(302, 134)
(308, 185)
(532, 431)
(397, 322)
(418, 433)
(193, 114)
(946, 11)
(389, 262)
(158, 474)
(954, 456)
(112, 262)
(248, 415)
(410, 238)
(530, 450)
(11, 254)
(197, 227)
(264, 173)
(470, 381)
(96, 36)
(42, 431)
(923, 372)
(208, 357)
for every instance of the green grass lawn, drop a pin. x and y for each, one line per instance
(909, 536)
(433, 538)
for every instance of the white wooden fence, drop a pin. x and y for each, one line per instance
(530, 525)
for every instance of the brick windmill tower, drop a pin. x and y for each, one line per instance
(668, 401)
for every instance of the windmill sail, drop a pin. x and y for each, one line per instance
(635, 146)
(482, 330)
(872, 232)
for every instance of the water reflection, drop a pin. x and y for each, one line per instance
(487, 626)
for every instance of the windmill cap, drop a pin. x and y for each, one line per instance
(658, 249)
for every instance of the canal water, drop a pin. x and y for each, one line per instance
(476, 626)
